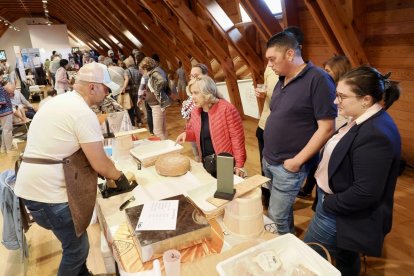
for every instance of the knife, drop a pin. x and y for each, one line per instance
(125, 204)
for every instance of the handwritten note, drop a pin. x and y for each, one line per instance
(158, 215)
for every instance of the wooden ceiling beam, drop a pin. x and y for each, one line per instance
(170, 23)
(233, 36)
(181, 10)
(324, 27)
(290, 13)
(91, 22)
(133, 10)
(112, 28)
(262, 18)
(356, 13)
(144, 36)
(344, 32)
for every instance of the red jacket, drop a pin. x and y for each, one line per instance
(226, 130)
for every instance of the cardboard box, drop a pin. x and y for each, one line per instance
(192, 228)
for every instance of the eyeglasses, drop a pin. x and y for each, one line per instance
(342, 97)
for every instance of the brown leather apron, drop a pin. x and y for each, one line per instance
(81, 186)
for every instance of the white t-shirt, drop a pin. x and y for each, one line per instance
(56, 132)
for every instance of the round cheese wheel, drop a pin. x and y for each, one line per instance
(172, 165)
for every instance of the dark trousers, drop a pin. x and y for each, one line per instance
(260, 140)
(310, 180)
(134, 111)
(149, 118)
(348, 262)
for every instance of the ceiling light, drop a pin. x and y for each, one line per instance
(44, 1)
(46, 11)
(5, 23)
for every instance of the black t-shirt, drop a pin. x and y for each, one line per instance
(205, 138)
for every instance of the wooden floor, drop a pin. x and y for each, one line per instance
(398, 259)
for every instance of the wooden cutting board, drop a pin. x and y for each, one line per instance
(242, 188)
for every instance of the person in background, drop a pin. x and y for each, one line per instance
(132, 80)
(6, 117)
(18, 111)
(157, 83)
(117, 76)
(300, 122)
(336, 67)
(358, 172)
(39, 72)
(121, 54)
(43, 187)
(215, 124)
(173, 87)
(101, 59)
(188, 105)
(108, 105)
(54, 66)
(181, 81)
(46, 68)
(111, 54)
(62, 81)
(19, 100)
(50, 94)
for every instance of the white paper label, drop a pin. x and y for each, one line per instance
(267, 261)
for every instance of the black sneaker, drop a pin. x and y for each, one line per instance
(302, 194)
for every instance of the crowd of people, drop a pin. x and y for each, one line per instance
(326, 126)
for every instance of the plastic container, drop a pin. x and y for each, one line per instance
(291, 252)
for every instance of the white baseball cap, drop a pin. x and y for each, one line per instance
(98, 73)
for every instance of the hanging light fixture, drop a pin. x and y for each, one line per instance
(48, 22)
(9, 24)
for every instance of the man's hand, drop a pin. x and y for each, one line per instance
(122, 183)
(259, 94)
(292, 165)
(181, 138)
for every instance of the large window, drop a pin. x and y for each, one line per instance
(274, 5)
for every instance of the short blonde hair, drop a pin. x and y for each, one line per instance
(129, 62)
(148, 64)
(208, 88)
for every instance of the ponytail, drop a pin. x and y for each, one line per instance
(391, 94)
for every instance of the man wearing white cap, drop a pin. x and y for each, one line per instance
(111, 54)
(60, 128)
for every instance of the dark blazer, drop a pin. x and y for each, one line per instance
(363, 171)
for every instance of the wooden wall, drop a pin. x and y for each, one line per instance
(389, 46)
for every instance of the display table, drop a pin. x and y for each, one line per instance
(155, 187)
(151, 187)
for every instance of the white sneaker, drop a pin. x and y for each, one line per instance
(2, 150)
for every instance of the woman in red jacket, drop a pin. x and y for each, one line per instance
(215, 124)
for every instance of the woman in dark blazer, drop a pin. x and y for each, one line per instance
(358, 171)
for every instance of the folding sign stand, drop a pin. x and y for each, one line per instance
(225, 177)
